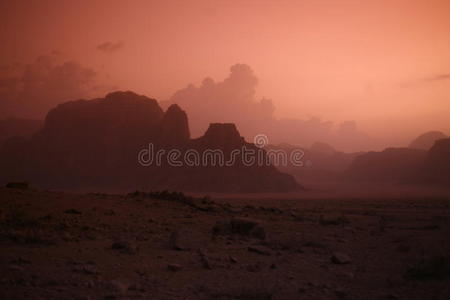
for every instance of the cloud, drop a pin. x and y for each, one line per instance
(110, 47)
(30, 90)
(230, 100)
(439, 77)
(234, 100)
(425, 80)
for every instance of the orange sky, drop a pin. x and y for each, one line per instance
(382, 63)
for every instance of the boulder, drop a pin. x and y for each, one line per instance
(239, 227)
(185, 239)
(340, 258)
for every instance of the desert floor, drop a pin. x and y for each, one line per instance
(57, 245)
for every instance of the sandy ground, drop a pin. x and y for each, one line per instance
(60, 245)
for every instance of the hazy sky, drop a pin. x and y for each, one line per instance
(383, 63)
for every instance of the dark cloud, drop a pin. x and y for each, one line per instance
(438, 77)
(110, 47)
(424, 80)
(30, 90)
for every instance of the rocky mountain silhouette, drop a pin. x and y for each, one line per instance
(95, 143)
(391, 164)
(175, 127)
(426, 140)
(438, 162)
(405, 165)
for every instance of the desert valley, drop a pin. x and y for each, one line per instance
(213, 149)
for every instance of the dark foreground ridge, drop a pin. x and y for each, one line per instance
(95, 144)
(167, 245)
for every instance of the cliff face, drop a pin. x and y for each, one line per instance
(221, 135)
(96, 143)
(175, 127)
(82, 141)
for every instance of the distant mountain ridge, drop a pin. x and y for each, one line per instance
(426, 140)
(405, 165)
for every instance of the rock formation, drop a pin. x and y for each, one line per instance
(220, 135)
(324, 148)
(235, 172)
(95, 143)
(438, 162)
(426, 141)
(405, 165)
(391, 165)
(175, 127)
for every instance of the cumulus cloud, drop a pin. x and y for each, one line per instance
(230, 100)
(110, 47)
(233, 100)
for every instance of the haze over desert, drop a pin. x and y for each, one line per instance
(225, 149)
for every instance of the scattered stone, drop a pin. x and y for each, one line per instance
(125, 247)
(15, 268)
(20, 261)
(72, 211)
(86, 269)
(333, 219)
(233, 210)
(253, 268)
(174, 267)
(185, 239)
(238, 226)
(349, 275)
(340, 293)
(259, 249)
(17, 185)
(205, 260)
(109, 212)
(340, 258)
(404, 248)
(115, 288)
